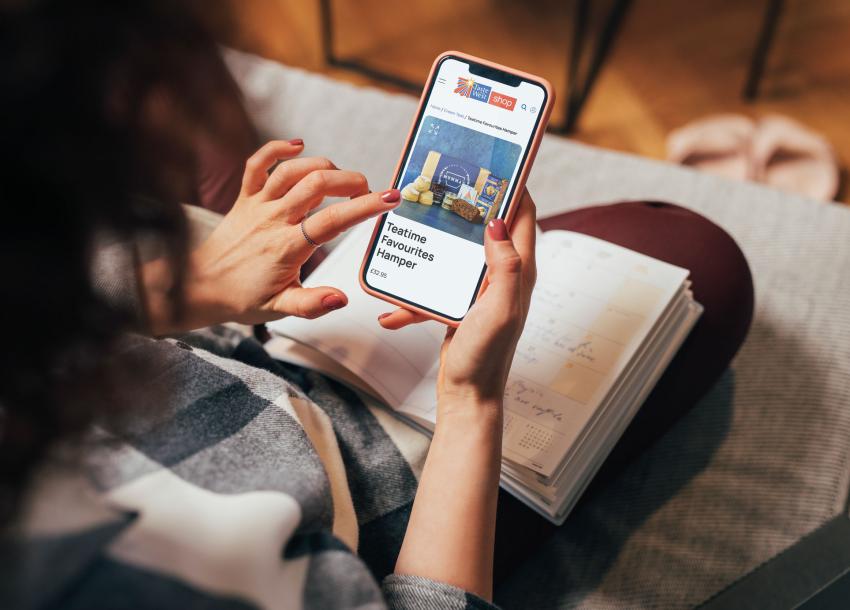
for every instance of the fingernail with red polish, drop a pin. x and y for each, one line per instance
(297, 142)
(391, 196)
(497, 229)
(383, 315)
(333, 301)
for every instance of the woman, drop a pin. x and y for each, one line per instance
(130, 95)
(141, 472)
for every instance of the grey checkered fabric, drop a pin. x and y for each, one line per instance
(241, 482)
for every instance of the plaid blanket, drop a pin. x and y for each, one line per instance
(240, 482)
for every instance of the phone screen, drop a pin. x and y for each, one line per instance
(469, 146)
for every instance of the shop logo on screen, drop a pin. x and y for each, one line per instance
(469, 88)
(503, 101)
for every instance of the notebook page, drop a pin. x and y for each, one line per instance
(592, 308)
(557, 500)
(393, 363)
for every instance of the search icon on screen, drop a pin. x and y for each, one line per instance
(523, 107)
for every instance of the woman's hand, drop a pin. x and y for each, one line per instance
(248, 269)
(451, 531)
(476, 357)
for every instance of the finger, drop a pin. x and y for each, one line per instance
(399, 319)
(287, 174)
(258, 164)
(315, 186)
(504, 266)
(524, 236)
(326, 224)
(310, 303)
(524, 229)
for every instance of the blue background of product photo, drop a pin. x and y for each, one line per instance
(497, 155)
(467, 145)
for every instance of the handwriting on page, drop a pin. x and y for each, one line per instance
(587, 313)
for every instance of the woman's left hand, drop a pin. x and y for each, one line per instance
(248, 269)
(476, 357)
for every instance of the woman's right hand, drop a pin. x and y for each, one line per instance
(248, 269)
(477, 356)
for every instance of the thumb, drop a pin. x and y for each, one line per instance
(310, 302)
(504, 264)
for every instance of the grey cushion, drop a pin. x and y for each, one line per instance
(759, 463)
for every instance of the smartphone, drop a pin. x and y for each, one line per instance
(465, 162)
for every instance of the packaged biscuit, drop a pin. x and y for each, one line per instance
(467, 193)
(491, 196)
(448, 201)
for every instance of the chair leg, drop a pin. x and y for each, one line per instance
(573, 93)
(331, 59)
(768, 29)
(578, 89)
(325, 15)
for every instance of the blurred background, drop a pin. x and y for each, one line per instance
(626, 72)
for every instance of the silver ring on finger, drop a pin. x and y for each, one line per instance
(309, 239)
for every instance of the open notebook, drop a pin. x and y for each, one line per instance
(604, 323)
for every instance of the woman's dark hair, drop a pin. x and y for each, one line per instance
(100, 103)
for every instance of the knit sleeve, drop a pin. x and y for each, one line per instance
(115, 277)
(416, 593)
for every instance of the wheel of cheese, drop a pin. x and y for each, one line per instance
(410, 193)
(422, 184)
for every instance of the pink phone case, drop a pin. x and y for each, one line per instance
(520, 182)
